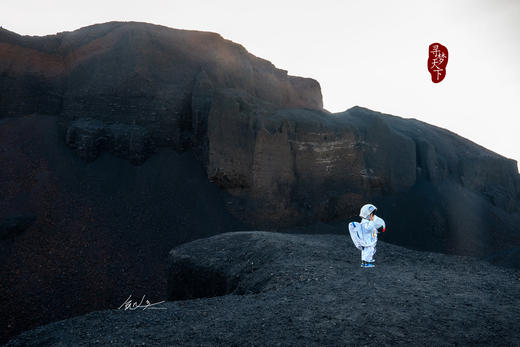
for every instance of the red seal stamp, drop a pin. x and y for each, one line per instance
(437, 61)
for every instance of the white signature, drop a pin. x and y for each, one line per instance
(129, 305)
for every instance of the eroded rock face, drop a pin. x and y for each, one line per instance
(135, 73)
(90, 137)
(296, 166)
(262, 136)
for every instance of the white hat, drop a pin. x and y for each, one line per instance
(366, 210)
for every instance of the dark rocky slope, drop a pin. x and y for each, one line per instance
(308, 290)
(79, 236)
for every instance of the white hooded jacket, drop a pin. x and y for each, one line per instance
(364, 234)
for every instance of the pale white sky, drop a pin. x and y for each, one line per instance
(368, 53)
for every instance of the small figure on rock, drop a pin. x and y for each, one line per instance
(364, 234)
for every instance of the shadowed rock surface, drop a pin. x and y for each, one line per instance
(306, 166)
(309, 290)
(103, 229)
(112, 135)
(12, 226)
(91, 137)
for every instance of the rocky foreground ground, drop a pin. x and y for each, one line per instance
(294, 289)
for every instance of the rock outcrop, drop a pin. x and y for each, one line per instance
(135, 73)
(289, 167)
(90, 137)
(261, 135)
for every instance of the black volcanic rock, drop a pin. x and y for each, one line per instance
(135, 73)
(13, 226)
(186, 108)
(90, 137)
(296, 166)
(261, 135)
(81, 236)
(308, 290)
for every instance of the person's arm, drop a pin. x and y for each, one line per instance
(379, 223)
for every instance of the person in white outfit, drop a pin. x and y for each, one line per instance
(364, 234)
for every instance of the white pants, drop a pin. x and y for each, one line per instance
(367, 253)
